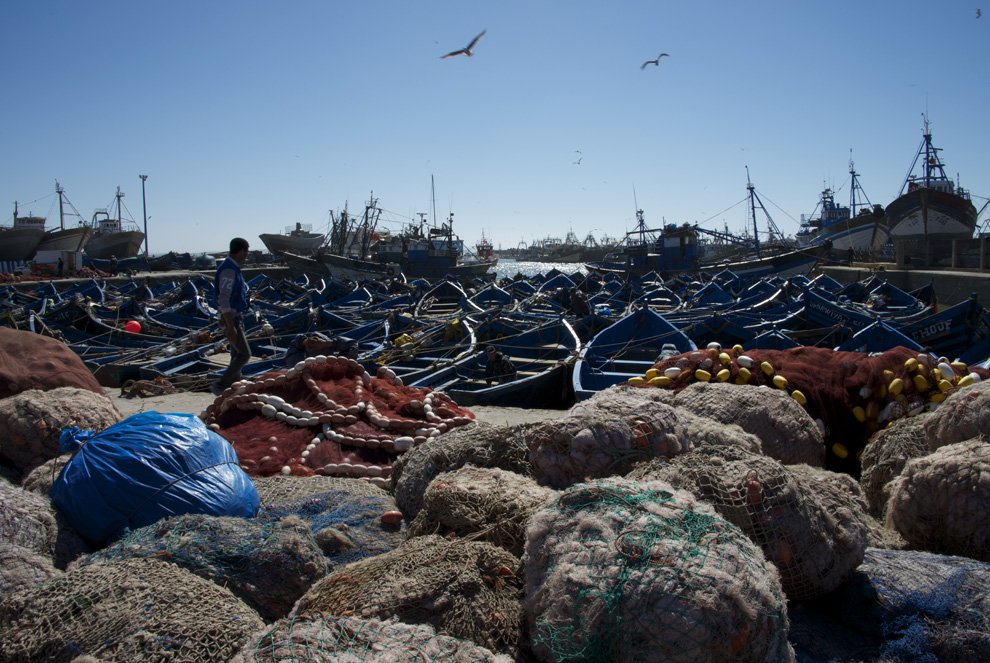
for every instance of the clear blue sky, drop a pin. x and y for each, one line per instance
(249, 116)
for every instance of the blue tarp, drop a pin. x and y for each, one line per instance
(148, 467)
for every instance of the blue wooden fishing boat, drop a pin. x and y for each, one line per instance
(543, 357)
(417, 352)
(627, 348)
(878, 337)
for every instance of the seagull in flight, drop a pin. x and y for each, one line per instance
(656, 62)
(979, 13)
(467, 49)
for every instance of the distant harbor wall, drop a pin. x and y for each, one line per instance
(951, 286)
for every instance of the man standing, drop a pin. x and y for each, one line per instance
(232, 300)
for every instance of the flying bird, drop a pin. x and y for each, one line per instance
(656, 62)
(467, 49)
(979, 13)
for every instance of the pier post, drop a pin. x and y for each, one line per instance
(955, 253)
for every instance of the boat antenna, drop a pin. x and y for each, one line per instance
(433, 194)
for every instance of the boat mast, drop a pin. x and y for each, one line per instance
(752, 208)
(61, 210)
(119, 197)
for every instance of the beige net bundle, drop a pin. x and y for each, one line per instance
(813, 546)
(962, 416)
(885, 456)
(484, 504)
(479, 444)
(321, 638)
(465, 589)
(29, 520)
(785, 429)
(33, 361)
(22, 567)
(940, 502)
(268, 565)
(349, 518)
(131, 610)
(640, 571)
(624, 400)
(41, 479)
(31, 422)
(595, 442)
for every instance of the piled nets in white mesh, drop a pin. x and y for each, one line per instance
(131, 610)
(623, 401)
(785, 429)
(22, 567)
(29, 520)
(31, 422)
(321, 638)
(962, 416)
(640, 571)
(604, 437)
(466, 589)
(268, 565)
(484, 504)
(478, 444)
(40, 479)
(885, 456)
(815, 536)
(940, 501)
(348, 518)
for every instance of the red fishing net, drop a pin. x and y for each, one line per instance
(851, 394)
(328, 416)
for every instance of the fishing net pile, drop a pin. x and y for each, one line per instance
(321, 638)
(349, 519)
(327, 416)
(910, 606)
(786, 432)
(939, 502)
(479, 444)
(815, 537)
(599, 440)
(22, 567)
(963, 416)
(131, 610)
(29, 520)
(483, 504)
(33, 361)
(31, 422)
(465, 589)
(640, 571)
(41, 479)
(625, 400)
(268, 565)
(885, 456)
(852, 394)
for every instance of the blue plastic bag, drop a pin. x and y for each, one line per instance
(148, 467)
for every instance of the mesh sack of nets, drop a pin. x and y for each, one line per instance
(785, 430)
(280, 488)
(483, 504)
(131, 610)
(33, 361)
(963, 416)
(596, 442)
(640, 571)
(939, 502)
(479, 444)
(465, 589)
(327, 415)
(814, 545)
(40, 479)
(346, 525)
(625, 400)
(31, 422)
(912, 606)
(885, 456)
(322, 638)
(268, 565)
(851, 394)
(22, 567)
(29, 520)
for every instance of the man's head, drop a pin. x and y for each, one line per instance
(239, 249)
(490, 350)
